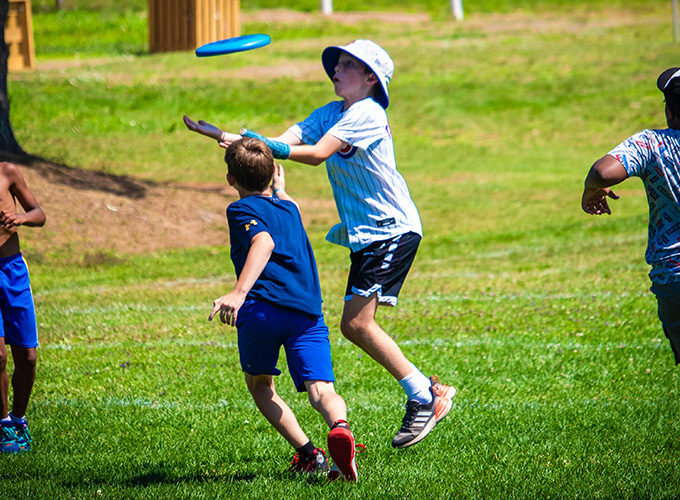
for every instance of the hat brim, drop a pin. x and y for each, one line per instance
(330, 57)
(665, 77)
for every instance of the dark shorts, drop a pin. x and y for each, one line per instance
(18, 325)
(668, 300)
(381, 268)
(263, 328)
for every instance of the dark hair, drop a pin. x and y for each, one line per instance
(251, 163)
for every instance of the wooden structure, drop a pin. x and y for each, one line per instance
(19, 36)
(177, 25)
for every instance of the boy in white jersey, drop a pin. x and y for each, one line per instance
(654, 156)
(379, 221)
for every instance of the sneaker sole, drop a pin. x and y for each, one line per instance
(442, 409)
(342, 450)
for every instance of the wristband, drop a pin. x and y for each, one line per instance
(280, 150)
(277, 190)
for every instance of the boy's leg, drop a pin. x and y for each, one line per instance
(326, 401)
(358, 325)
(341, 445)
(275, 409)
(25, 359)
(4, 381)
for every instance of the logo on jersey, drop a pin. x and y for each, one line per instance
(347, 152)
(252, 222)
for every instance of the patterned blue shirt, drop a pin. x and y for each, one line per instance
(654, 156)
(371, 196)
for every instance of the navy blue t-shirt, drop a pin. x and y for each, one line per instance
(290, 278)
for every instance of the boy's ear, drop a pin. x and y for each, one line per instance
(230, 179)
(372, 79)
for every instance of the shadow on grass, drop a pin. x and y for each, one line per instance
(81, 179)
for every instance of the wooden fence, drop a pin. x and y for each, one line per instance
(177, 25)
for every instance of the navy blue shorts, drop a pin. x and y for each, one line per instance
(382, 268)
(668, 300)
(263, 328)
(18, 325)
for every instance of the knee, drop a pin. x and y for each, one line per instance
(353, 329)
(318, 392)
(260, 384)
(25, 360)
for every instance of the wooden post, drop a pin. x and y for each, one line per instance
(327, 7)
(676, 21)
(457, 9)
(19, 36)
(176, 25)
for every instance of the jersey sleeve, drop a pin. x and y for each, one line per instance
(362, 125)
(310, 130)
(244, 224)
(636, 153)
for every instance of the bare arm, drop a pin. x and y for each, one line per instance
(279, 186)
(318, 153)
(605, 173)
(261, 248)
(33, 216)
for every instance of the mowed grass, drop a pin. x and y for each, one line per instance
(538, 314)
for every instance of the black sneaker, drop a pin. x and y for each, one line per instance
(315, 463)
(420, 419)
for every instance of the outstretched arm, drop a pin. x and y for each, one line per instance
(605, 172)
(261, 248)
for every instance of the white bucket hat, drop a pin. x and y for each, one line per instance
(369, 53)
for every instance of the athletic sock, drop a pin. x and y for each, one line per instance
(7, 421)
(306, 451)
(417, 386)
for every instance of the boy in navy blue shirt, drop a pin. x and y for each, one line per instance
(277, 302)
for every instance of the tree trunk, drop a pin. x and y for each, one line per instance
(58, 4)
(7, 141)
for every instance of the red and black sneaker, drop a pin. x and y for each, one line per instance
(315, 463)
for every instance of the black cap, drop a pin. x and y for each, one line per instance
(669, 80)
(669, 83)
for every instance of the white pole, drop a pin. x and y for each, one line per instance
(457, 9)
(676, 21)
(327, 7)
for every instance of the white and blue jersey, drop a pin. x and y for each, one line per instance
(371, 196)
(654, 156)
(290, 278)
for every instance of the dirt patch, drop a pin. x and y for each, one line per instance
(91, 215)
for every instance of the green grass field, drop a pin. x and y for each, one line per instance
(539, 314)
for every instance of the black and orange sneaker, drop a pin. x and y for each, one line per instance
(441, 390)
(420, 419)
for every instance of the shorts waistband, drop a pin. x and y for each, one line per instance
(5, 260)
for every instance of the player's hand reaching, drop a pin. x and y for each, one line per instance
(204, 128)
(279, 178)
(228, 306)
(594, 201)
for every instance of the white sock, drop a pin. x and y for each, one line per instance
(6, 421)
(417, 386)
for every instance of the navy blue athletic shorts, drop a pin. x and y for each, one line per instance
(264, 327)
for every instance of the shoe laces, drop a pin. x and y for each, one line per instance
(412, 407)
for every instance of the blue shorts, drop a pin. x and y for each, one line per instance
(668, 301)
(16, 303)
(381, 268)
(263, 328)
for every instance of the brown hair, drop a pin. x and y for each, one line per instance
(251, 163)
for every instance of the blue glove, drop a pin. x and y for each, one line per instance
(280, 150)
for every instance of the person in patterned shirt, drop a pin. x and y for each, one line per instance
(654, 157)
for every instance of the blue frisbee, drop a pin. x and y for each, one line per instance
(232, 45)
